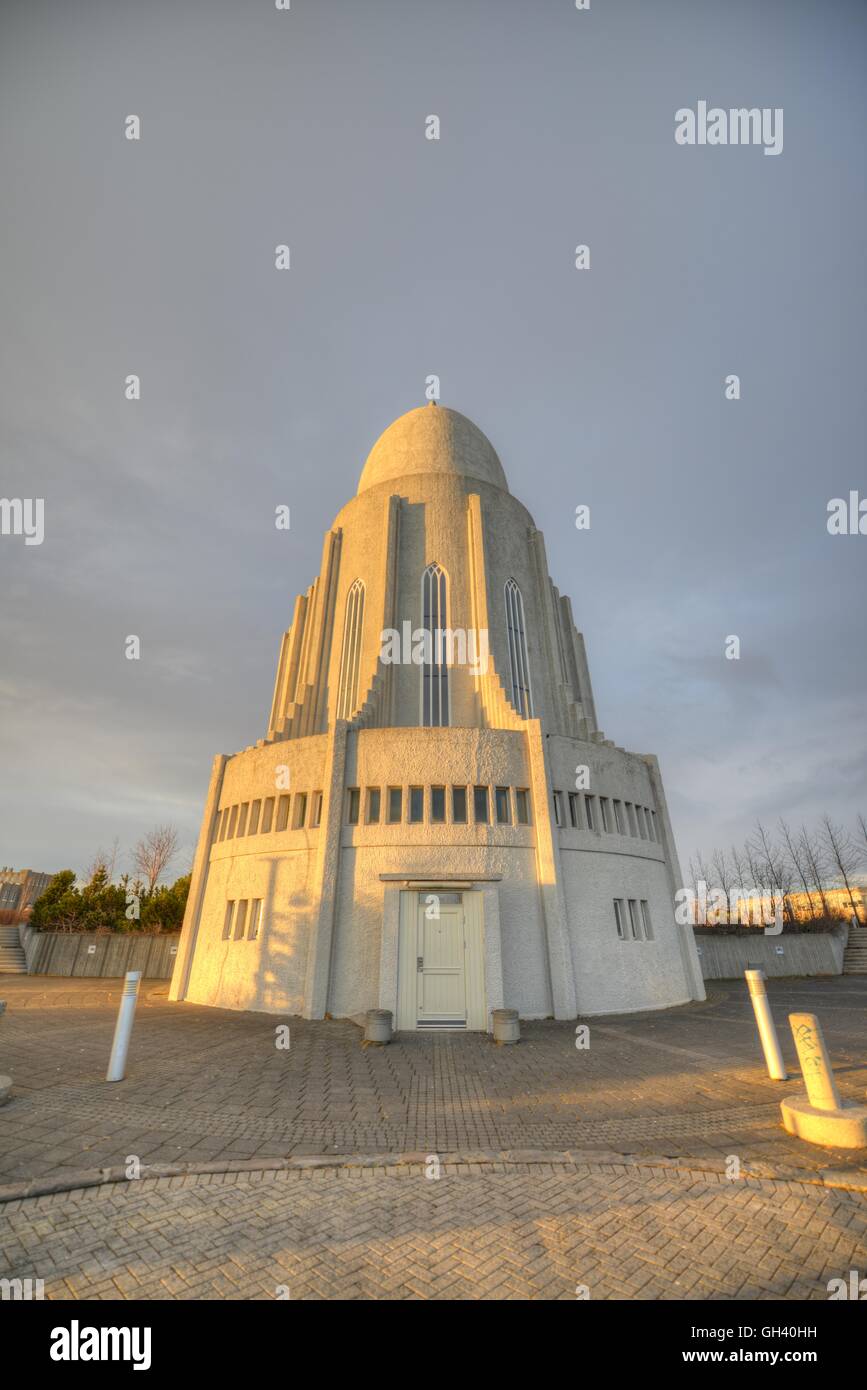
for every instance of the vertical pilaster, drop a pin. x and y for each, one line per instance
(563, 993)
(685, 935)
(326, 875)
(198, 883)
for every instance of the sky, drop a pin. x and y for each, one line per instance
(602, 387)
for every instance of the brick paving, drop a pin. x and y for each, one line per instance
(208, 1087)
(517, 1232)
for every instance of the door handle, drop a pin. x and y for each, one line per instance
(419, 963)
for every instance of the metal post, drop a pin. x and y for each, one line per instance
(123, 1027)
(815, 1063)
(765, 1024)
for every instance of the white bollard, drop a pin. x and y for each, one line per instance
(123, 1027)
(816, 1067)
(765, 1024)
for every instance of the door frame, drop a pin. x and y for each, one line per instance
(411, 905)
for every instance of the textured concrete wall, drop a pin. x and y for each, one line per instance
(68, 953)
(813, 953)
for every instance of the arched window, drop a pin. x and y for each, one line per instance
(435, 671)
(350, 657)
(519, 666)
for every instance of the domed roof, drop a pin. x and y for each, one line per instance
(432, 439)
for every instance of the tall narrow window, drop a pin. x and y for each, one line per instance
(350, 657)
(519, 666)
(434, 671)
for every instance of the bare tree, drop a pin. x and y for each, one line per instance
(740, 877)
(776, 868)
(842, 854)
(814, 859)
(796, 861)
(154, 853)
(862, 824)
(723, 876)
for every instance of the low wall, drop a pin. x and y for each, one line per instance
(796, 953)
(104, 954)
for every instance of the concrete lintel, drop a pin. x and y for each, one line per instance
(440, 878)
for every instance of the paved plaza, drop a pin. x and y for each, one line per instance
(650, 1165)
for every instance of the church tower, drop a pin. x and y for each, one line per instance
(434, 823)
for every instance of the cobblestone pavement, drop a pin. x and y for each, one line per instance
(513, 1233)
(208, 1087)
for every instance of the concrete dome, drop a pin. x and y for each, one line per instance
(432, 439)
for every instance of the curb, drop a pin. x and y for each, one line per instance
(99, 1177)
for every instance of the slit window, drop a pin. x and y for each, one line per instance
(480, 805)
(316, 811)
(373, 805)
(519, 666)
(434, 670)
(558, 808)
(240, 919)
(242, 819)
(574, 817)
(522, 805)
(353, 805)
(501, 801)
(255, 919)
(618, 816)
(282, 813)
(645, 917)
(395, 805)
(227, 920)
(350, 656)
(605, 813)
(255, 809)
(438, 805)
(267, 814)
(619, 920)
(299, 811)
(589, 811)
(233, 816)
(459, 805)
(634, 926)
(416, 805)
(630, 812)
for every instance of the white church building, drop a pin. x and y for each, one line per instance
(434, 823)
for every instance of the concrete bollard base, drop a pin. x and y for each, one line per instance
(845, 1128)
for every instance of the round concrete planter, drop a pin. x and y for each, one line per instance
(507, 1027)
(377, 1027)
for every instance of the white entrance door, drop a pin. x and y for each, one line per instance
(441, 973)
(441, 997)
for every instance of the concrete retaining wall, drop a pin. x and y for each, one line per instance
(102, 955)
(798, 953)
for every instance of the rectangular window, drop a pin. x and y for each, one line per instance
(316, 811)
(225, 825)
(648, 816)
(255, 919)
(282, 813)
(501, 802)
(634, 925)
(655, 826)
(522, 805)
(416, 805)
(373, 804)
(605, 811)
(218, 821)
(233, 816)
(630, 813)
(574, 818)
(227, 920)
(299, 811)
(240, 919)
(459, 805)
(438, 805)
(267, 814)
(618, 918)
(242, 819)
(255, 808)
(395, 805)
(480, 805)
(645, 917)
(618, 816)
(639, 811)
(589, 812)
(558, 808)
(353, 804)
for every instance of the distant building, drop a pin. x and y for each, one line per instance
(19, 888)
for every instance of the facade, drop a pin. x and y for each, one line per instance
(415, 832)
